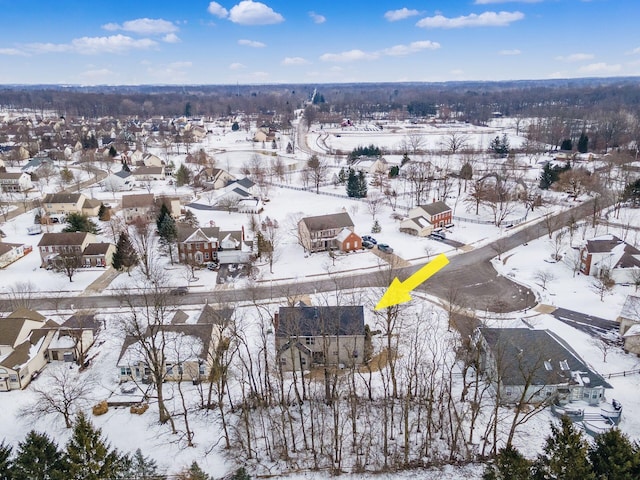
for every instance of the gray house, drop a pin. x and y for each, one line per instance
(312, 336)
(538, 363)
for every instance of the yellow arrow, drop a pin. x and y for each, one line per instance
(399, 292)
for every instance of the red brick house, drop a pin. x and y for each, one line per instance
(423, 219)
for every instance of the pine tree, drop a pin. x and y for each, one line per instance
(112, 151)
(565, 455)
(362, 185)
(509, 464)
(79, 222)
(614, 457)
(566, 144)
(583, 143)
(194, 472)
(143, 468)
(5, 461)
(89, 457)
(167, 230)
(241, 474)
(191, 219)
(183, 176)
(352, 184)
(125, 255)
(38, 457)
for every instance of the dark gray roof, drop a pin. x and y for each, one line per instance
(81, 322)
(219, 317)
(316, 321)
(245, 182)
(435, 208)
(123, 174)
(62, 197)
(537, 354)
(325, 222)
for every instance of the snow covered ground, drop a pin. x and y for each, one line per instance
(232, 150)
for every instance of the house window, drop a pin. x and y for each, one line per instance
(125, 371)
(508, 392)
(310, 341)
(201, 368)
(180, 370)
(355, 354)
(303, 361)
(348, 245)
(13, 377)
(206, 255)
(283, 360)
(169, 369)
(335, 352)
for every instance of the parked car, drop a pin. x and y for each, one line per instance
(179, 291)
(367, 244)
(383, 247)
(438, 235)
(370, 239)
(212, 265)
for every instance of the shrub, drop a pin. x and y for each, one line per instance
(139, 409)
(101, 408)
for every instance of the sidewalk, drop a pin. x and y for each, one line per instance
(102, 282)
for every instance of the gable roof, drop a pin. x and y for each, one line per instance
(63, 238)
(81, 321)
(23, 312)
(62, 197)
(330, 221)
(314, 321)
(97, 248)
(522, 352)
(210, 315)
(139, 200)
(435, 208)
(623, 255)
(631, 308)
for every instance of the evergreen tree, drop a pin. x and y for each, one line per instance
(352, 183)
(194, 472)
(167, 230)
(235, 127)
(362, 185)
(88, 455)
(187, 109)
(191, 219)
(631, 193)
(112, 151)
(500, 146)
(394, 171)
(376, 228)
(583, 143)
(565, 455)
(241, 474)
(125, 255)
(38, 457)
(509, 464)
(79, 222)
(5, 461)
(566, 144)
(143, 468)
(183, 176)
(614, 457)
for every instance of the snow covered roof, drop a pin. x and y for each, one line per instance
(631, 308)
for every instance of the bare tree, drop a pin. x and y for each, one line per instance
(144, 239)
(602, 284)
(454, 142)
(420, 175)
(60, 390)
(317, 171)
(414, 142)
(374, 202)
(21, 294)
(544, 277)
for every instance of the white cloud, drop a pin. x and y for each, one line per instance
(12, 51)
(349, 56)
(489, 2)
(399, 50)
(171, 38)
(183, 64)
(401, 14)
(317, 18)
(251, 43)
(237, 66)
(248, 12)
(289, 61)
(144, 26)
(486, 19)
(575, 57)
(514, 51)
(94, 45)
(395, 51)
(600, 67)
(217, 10)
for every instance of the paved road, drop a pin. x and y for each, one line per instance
(590, 324)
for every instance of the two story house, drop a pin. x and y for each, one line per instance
(23, 345)
(66, 203)
(141, 206)
(200, 245)
(85, 246)
(326, 335)
(15, 182)
(424, 219)
(328, 232)
(609, 253)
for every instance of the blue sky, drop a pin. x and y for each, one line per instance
(306, 41)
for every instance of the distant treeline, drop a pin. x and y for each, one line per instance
(475, 102)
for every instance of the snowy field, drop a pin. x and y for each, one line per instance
(232, 150)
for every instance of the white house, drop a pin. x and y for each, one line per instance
(15, 181)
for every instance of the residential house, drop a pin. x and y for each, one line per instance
(15, 182)
(424, 219)
(147, 174)
(172, 203)
(536, 366)
(66, 203)
(10, 252)
(23, 345)
(327, 232)
(187, 352)
(119, 181)
(142, 206)
(629, 319)
(214, 178)
(73, 338)
(200, 245)
(325, 335)
(608, 254)
(82, 244)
